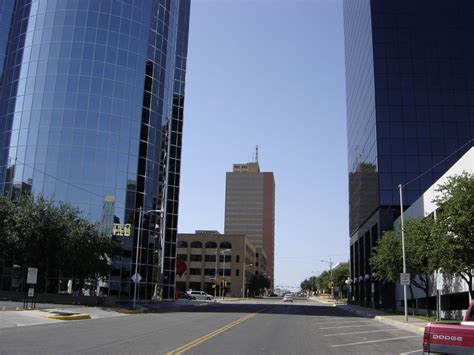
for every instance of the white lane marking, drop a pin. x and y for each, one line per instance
(352, 326)
(367, 331)
(412, 352)
(374, 341)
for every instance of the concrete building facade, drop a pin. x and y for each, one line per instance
(453, 289)
(250, 211)
(198, 251)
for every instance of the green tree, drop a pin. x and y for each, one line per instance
(455, 220)
(339, 276)
(306, 285)
(54, 239)
(323, 282)
(7, 244)
(420, 252)
(258, 284)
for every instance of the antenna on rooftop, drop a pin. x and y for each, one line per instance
(256, 154)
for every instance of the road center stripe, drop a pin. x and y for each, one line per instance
(218, 331)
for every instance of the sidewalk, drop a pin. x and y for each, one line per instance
(414, 325)
(19, 318)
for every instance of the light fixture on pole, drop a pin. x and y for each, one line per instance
(243, 280)
(136, 277)
(400, 187)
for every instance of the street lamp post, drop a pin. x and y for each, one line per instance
(400, 187)
(223, 274)
(330, 272)
(215, 276)
(140, 217)
(243, 280)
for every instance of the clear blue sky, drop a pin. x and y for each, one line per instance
(270, 73)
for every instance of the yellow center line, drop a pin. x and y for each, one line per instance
(216, 332)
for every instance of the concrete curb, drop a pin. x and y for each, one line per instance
(130, 311)
(415, 328)
(70, 317)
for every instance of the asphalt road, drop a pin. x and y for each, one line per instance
(252, 327)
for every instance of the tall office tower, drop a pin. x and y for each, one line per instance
(410, 105)
(250, 209)
(91, 110)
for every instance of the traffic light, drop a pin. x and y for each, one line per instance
(127, 230)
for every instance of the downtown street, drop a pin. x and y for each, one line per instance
(266, 326)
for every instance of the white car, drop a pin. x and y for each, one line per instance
(200, 295)
(287, 298)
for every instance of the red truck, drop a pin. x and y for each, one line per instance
(450, 338)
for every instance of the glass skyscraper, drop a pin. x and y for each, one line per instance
(91, 113)
(410, 105)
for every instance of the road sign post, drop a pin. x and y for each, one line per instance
(405, 279)
(31, 280)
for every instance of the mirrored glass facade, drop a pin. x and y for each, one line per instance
(410, 105)
(91, 113)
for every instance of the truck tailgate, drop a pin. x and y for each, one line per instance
(451, 338)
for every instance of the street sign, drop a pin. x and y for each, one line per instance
(32, 275)
(31, 292)
(405, 278)
(136, 277)
(123, 230)
(439, 281)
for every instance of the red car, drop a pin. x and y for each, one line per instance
(450, 338)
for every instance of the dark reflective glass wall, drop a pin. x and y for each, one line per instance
(424, 90)
(87, 103)
(361, 128)
(6, 12)
(410, 111)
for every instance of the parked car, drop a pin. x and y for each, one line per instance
(200, 295)
(185, 296)
(450, 338)
(287, 298)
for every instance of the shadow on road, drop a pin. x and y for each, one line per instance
(263, 308)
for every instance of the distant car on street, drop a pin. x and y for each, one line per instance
(200, 295)
(287, 298)
(185, 296)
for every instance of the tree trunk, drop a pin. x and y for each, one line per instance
(412, 300)
(427, 292)
(469, 285)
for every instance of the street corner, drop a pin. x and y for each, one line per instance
(67, 316)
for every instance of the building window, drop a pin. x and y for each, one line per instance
(227, 272)
(210, 272)
(183, 257)
(194, 271)
(237, 272)
(196, 245)
(210, 258)
(196, 258)
(182, 244)
(226, 245)
(237, 259)
(211, 245)
(227, 258)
